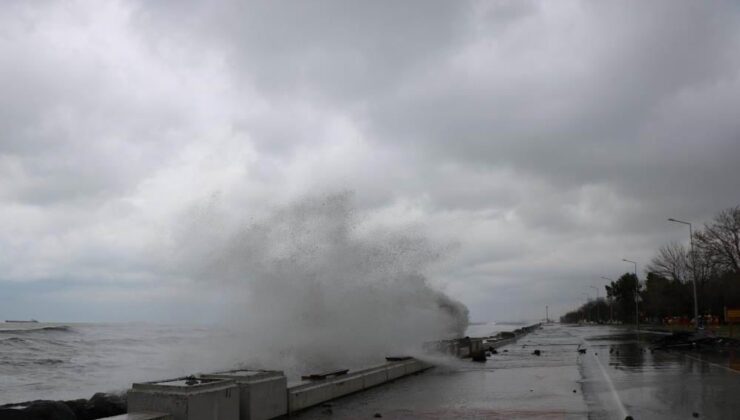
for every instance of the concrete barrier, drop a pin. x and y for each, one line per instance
(261, 392)
(308, 394)
(304, 396)
(374, 377)
(467, 347)
(187, 398)
(395, 370)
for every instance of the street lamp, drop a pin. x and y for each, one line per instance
(585, 305)
(611, 306)
(598, 316)
(693, 268)
(637, 288)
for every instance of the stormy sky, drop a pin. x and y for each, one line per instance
(540, 142)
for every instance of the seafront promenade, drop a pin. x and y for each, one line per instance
(582, 372)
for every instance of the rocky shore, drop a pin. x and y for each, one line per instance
(98, 406)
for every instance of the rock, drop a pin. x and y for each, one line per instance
(377, 415)
(106, 405)
(537, 353)
(12, 414)
(582, 351)
(574, 391)
(695, 414)
(628, 418)
(99, 406)
(80, 408)
(506, 351)
(47, 410)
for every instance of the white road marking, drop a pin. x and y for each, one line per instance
(711, 363)
(615, 394)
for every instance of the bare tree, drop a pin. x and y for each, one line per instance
(720, 240)
(672, 262)
(702, 266)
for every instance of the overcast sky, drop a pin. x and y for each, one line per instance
(543, 141)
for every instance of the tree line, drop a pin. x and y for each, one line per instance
(667, 291)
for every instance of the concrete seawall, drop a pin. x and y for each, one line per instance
(308, 394)
(470, 346)
(256, 395)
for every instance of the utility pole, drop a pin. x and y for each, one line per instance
(547, 314)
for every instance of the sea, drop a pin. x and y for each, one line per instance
(75, 360)
(57, 361)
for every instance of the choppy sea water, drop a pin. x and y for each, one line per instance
(55, 361)
(67, 361)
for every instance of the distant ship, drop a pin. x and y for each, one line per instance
(22, 321)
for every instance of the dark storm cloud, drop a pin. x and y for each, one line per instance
(600, 95)
(549, 139)
(347, 50)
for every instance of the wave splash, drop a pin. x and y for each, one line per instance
(315, 287)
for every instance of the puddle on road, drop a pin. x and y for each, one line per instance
(655, 384)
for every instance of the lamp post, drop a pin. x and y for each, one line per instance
(588, 298)
(693, 267)
(611, 306)
(598, 316)
(637, 288)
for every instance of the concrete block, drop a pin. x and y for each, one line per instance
(347, 385)
(375, 377)
(307, 394)
(476, 345)
(396, 370)
(304, 396)
(414, 366)
(463, 351)
(187, 398)
(262, 394)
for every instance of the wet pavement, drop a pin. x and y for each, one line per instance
(616, 377)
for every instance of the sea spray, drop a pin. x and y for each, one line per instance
(313, 287)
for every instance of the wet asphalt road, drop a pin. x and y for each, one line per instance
(616, 377)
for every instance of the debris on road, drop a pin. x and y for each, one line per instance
(693, 340)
